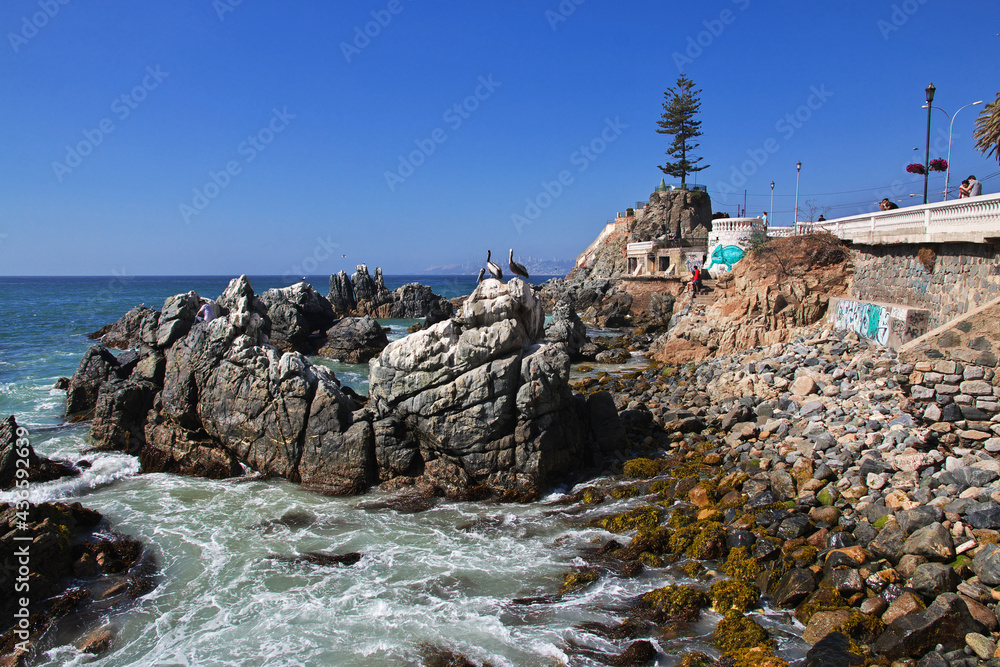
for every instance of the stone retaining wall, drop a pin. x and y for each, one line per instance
(953, 369)
(886, 324)
(963, 276)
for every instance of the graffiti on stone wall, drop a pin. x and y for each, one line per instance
(886, 325)
(726, 255)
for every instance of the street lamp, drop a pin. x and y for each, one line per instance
(951, 129)
(770, 210)
(927, 152)
(798, 168)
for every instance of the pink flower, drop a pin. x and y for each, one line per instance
(915, 168)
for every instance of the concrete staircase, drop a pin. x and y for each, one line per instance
(706, 295)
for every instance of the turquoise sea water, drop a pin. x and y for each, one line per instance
(444, 577)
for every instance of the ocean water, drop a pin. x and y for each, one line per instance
(444, 577)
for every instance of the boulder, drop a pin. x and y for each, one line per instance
(354, 340)
(415, 300)
(483, 393)
(567, 328)
(97, 367)
(369, 293)
(932, 579)
(295, 313)
(136, 327)
(946, 621)
(933, 542)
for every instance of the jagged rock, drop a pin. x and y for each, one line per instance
(833, 650)
(295, 313)
(946, 621)
(613, 311)
(40, 469)
(341, 295)
(481, 394)
(370, 294)
(986, 564)
(176, 318)
(119, 422)
(354, 340)
(793, 587)
(136, 327)
(97, 367)
(567, 327)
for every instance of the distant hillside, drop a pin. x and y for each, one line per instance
(534, 265)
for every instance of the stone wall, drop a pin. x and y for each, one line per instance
(963, 276)
(953, 369)
(885, 324)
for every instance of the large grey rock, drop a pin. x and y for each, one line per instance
(415, 300)
(986, 564)
(946, 621)
(136, 327)
(354, 340)
(295, 313)
(932, 579)
(889, 543)
(918, 517)
(97, 367)
(567, 327)
(481, 393)
(933, 542)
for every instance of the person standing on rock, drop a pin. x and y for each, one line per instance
(206, 313)
(695, 279)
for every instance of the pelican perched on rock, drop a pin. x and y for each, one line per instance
(515, 268)
(482, 272)
(492, 267)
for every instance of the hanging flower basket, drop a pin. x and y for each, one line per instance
(915, 168)
(939, 164)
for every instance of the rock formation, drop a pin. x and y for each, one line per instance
(206, 398)
(14, 448)
(362, 295)
(479, 401)
(765, 300)
(473, 401)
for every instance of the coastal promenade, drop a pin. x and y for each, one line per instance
(971, 220)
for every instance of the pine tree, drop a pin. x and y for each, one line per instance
(987, 132)
(680, 106)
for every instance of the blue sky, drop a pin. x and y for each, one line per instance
(227, 136)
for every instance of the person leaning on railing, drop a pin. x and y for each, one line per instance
(887, 205)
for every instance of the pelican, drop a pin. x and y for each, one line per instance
(482, 272)
(516, 268)
(493, 268)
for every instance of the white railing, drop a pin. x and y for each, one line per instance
(782, 232)
(639, 248)
(736, 224)
(973, 220)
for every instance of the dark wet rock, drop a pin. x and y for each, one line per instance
(341, 295)
(933, 542)
(59, 536)
(946, 621)
(793, 587)
(889, 543)
(97, 367)
(15, 447)
(414, 300)
(119, 422)
(932, 579)
(986, 564)
(919, 517)
(354, 340)
(833, 650)
(320, 558)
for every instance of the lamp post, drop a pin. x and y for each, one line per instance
(927, 152)
(798, 168)
(951, 128)
(770, 210)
